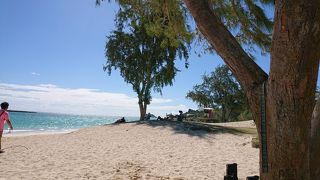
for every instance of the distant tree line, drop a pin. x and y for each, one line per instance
(221, 91)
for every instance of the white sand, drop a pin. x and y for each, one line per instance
(128, 151)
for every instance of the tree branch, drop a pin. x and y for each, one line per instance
(249, 74)
(246, 70)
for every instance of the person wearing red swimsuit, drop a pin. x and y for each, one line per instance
(4, 118)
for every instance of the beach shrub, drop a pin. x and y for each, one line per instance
(245, 115)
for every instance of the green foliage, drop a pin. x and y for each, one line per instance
(245, 19)
(160, 18)
(145, 58)
(201, 95)
(169, 22)
(221, 91)
(245, 115)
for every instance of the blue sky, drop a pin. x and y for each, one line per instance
(52, 54)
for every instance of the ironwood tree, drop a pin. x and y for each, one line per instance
(220, 90)
(230, 27)
(145, 61)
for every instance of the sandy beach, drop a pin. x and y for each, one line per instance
(148, 150)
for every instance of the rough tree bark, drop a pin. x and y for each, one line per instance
(290, 88)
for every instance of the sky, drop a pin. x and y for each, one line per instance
(52, 57)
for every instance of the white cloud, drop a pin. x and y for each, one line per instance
(160, 101)
(51, 98)
(35, 74)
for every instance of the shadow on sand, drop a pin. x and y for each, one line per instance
(196, 128)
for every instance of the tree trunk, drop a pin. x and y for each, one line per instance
(229, 112)
(223, 114)
(142, 111)
(291, 87)
(145, 109)
(315, 143)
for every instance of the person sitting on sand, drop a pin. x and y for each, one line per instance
(180, 116)
(147, 117)
(122, 120)
(159, 118)
(4, 117)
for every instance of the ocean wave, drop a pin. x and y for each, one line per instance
(28, 132)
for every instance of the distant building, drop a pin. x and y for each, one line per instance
(209, 112)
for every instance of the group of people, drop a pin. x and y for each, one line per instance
(4, 118)
(148, 116)
(180, 117)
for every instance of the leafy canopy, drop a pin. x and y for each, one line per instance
(220, 90)
(246, 19)
(144, 59)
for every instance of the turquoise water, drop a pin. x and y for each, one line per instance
(49, 122)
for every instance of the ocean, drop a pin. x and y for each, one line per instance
(48, 123)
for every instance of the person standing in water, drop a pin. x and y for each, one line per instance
(4, 118)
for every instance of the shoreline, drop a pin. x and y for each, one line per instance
(23, 133)
(192, 124)
(31, 132)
